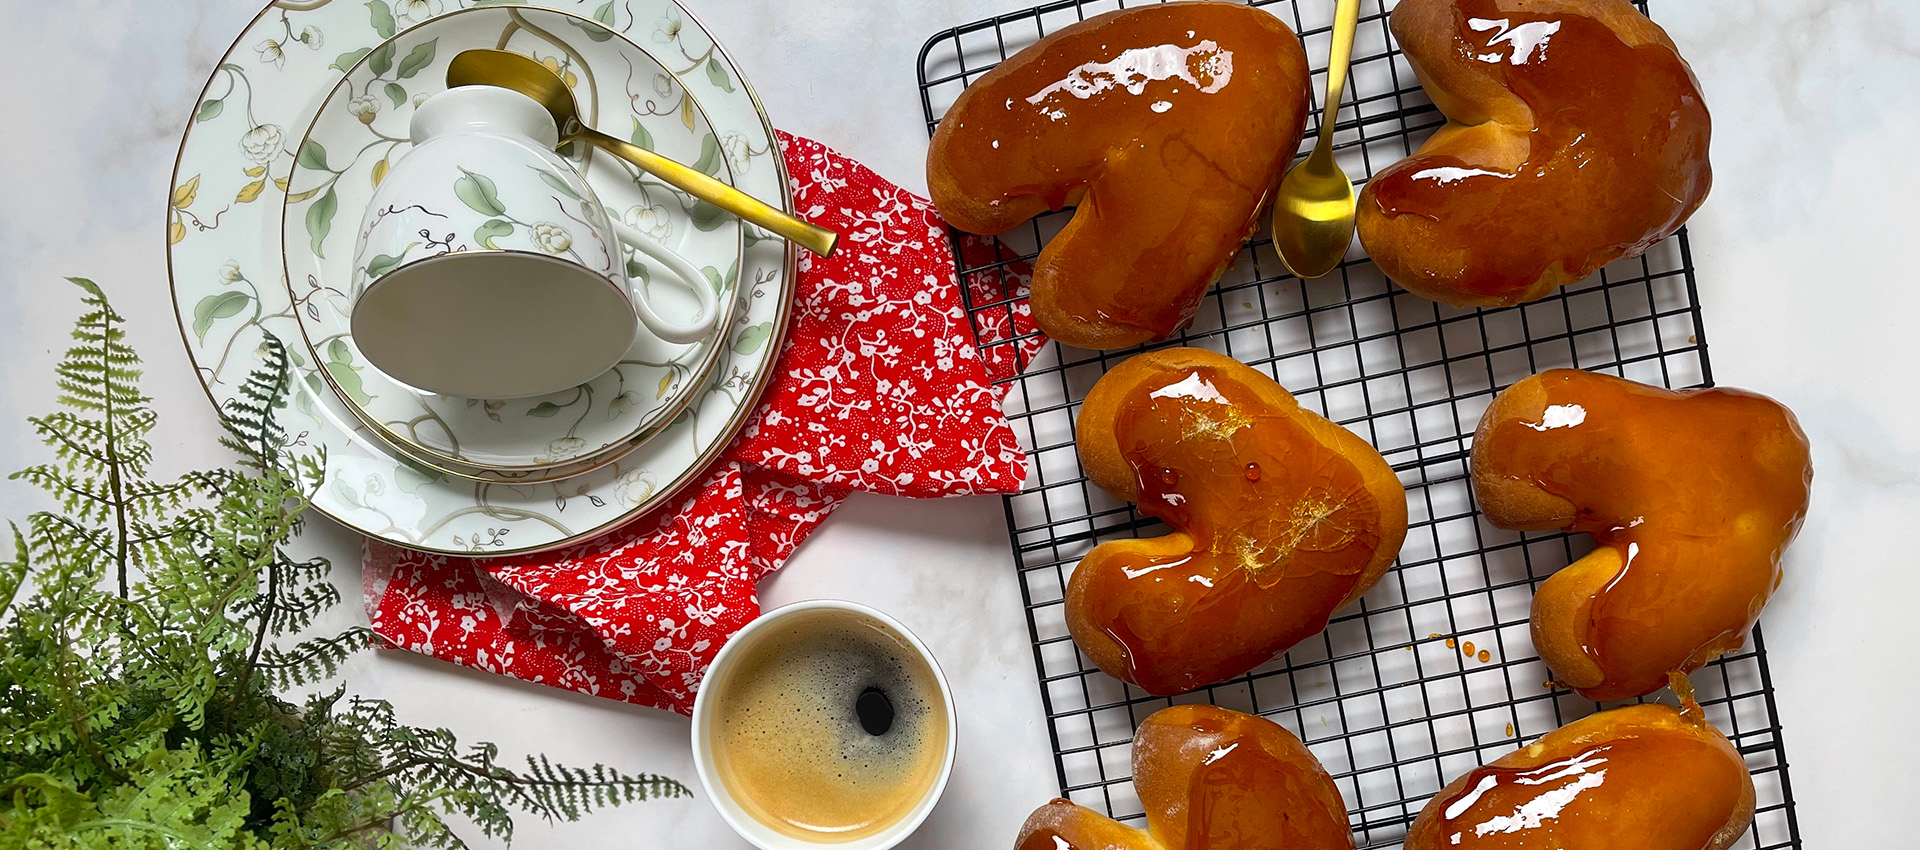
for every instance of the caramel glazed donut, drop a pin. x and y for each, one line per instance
(1280, 518)
(1167, 126)
(1691, 496)
(1575, 136)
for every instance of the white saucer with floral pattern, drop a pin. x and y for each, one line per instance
(225, 247)
(361, 130)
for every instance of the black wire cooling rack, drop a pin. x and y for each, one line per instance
(1387, 698)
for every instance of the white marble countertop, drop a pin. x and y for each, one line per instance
(1803, 275)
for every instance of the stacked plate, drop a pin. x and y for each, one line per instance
(302, 120)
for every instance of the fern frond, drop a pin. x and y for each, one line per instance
(13, 573)
(140, 672)
(87, 499)
(101, 373)
(474, 784)
(314, 659)
(80, 443)
(255, 432)
(296, 608)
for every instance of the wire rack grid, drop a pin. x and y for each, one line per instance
(1387, 697)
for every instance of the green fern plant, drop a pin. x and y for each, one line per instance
(146, 641)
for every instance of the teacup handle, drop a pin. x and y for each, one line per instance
(689, 332)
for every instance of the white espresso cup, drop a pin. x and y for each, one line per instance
(485, 267)
(782, 731)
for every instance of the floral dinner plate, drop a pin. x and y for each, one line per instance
(362, 128)
(224, 248)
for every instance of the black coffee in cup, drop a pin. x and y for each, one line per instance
(829, 727)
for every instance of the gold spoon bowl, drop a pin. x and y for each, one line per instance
(1313, 212)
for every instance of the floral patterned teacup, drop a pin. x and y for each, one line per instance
(485, 267)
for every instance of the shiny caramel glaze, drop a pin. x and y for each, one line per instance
(1577, 136)
(1692, 496)
(1167, 125)
(1644, 777)
(1280, 518)
(1209, 779)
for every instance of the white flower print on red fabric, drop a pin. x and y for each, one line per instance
(635, 615)
(883, 386)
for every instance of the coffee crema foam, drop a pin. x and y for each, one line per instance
(789, 744)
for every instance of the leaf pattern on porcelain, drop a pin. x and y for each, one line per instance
(574, 428)
(223, 255)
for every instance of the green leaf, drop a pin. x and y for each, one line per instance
(713, 278)
(558, 184)
(312, 156)
(478, 193)
(709, 161)
(707, 217)
(320, 220)
(339, 366)
(349, 382)
(345, 492)
(733, 274)
(397, 94)
(217, 306)
(491, 230)
(641, 137)
(381, 60)
(637, 271)
(411, 478)
(752, 337)
(382, 20)
(602, 31)
(384, 263)
(317, 389)
(347, 60)
(717, 74)
(417, 58)
(592, 30)
(209, 110)
(544, 410)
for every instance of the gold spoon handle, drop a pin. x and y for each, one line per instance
(810, 236)
(1346, 18)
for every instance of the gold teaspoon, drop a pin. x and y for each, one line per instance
(519, 73)
(1314, 210)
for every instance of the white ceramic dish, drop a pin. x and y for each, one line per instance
(364, 125)
(224, 246)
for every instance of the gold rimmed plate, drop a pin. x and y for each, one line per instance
(362, 128)
(239, 154)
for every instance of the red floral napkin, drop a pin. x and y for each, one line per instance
(880, 387)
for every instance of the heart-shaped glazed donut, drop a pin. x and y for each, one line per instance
(1645, 777)
(1692, 497)
(1209, 779)
(1280, 518)
(1576, 135)
(1166, 125)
